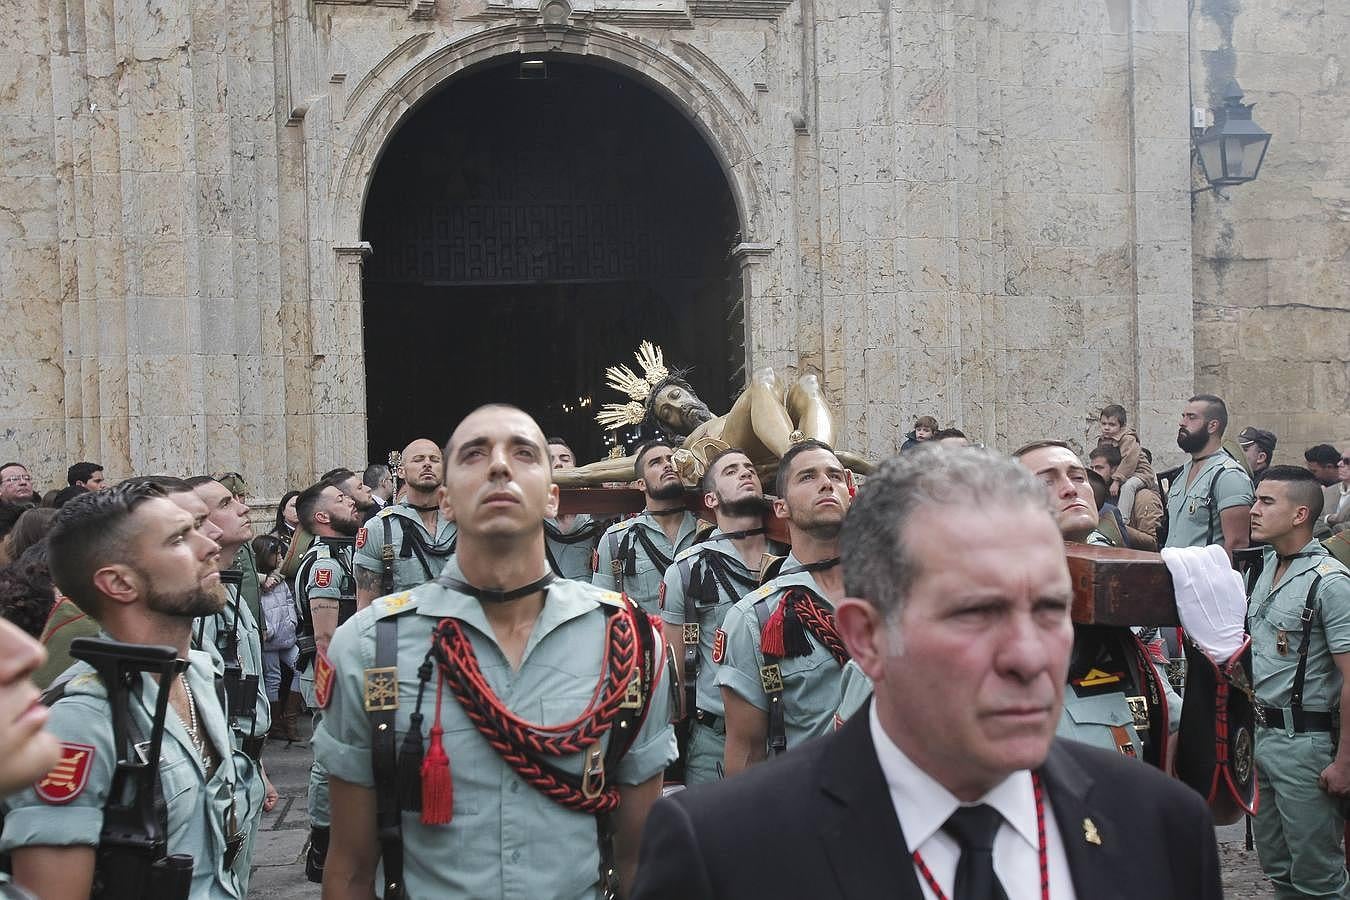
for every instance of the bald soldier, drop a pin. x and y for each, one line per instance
(406, 543)
(499, 732)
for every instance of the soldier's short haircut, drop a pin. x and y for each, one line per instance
(557, 441)
(1108, 452)
(90, 532)
(1215, 409)
(780, 481)
(1301, 486)
(374, 474)
(1113, 411)
(82, 471)
(873, 544)
(1038, 445)
(169, 484)
(307, 503)
(1100, 489)
(709, 480)
(644, 449)
(338, 475)
(196, 481)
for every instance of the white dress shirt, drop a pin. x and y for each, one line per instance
(922, 806)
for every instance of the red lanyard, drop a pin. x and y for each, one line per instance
(1040, 837)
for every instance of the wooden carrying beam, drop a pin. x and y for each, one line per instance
(1112, 586)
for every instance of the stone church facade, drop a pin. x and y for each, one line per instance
(976, 209)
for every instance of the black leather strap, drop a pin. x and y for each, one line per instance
(1310, 720)
(1296, 695)
(384, 759)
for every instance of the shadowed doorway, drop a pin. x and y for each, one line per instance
(530, 231)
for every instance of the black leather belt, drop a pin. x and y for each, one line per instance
(707, 719)
(1306, 720)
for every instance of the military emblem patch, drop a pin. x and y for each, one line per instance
(396, 601)
(68, 777)
(360, 538)
(323, 578)
(1097, 678)
(323, 681)
(382, 689)
(661, 596)
(719, 646)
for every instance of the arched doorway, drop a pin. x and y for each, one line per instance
(530, 225)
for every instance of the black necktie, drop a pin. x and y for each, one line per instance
(974, 828)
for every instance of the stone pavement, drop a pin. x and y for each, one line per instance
(279, 868)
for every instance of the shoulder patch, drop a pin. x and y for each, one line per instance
(689, 552)
(719, 646)
(68, 777)
(323, 578)
(323, 680)
(761, 592)
(360, 538)
(85, 681)
(395, 602)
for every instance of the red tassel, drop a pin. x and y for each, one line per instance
(771, 638)
(438, 789)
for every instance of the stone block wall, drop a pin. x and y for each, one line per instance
(975, 209)
(1272, 258)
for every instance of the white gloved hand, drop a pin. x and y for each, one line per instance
(1211, 600)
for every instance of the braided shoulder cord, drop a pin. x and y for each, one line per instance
(820, 622)
(523, 745)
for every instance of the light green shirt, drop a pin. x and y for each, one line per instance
(571, 560)
(854, 689)
(505, 839)
(1276, 610)
(1193, 512)
(643, 585)
(810, 682)
(212, 632)
(686, 578)
(409, 571)
(201, 810)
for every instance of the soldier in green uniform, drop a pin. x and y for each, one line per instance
(406, 543)
(133, 560)
(779, 667)
(701, 586)
(570, 540)
(634, 554)
(1299, 620)
(494, 806)
(325, 598)
(1208, 501)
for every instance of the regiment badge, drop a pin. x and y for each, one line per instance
(323, 578)
(323, 681)
(382, 689)
(68, 777)
(360, 538)
(719, 646)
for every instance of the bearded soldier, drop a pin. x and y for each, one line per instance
(326, 597)
(780, 656)
(407, 543)
(701, 586)
(499, 732)
(634, 554)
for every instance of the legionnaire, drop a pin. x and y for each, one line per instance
(702, 584)
(570, 540)
(634, 554)
(325, 598)
(353, 486)
(452, 677)
(1299, 620)
(27, 750)
(236, 636)
(1207, 502)
(133, 560)
(779, 668)
(406, 543)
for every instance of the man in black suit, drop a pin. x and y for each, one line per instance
(951, 779)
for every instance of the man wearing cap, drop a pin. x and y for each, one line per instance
(1258, 445)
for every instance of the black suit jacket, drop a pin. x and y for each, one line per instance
(819, 823)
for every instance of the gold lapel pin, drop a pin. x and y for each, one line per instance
(1090, 833)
